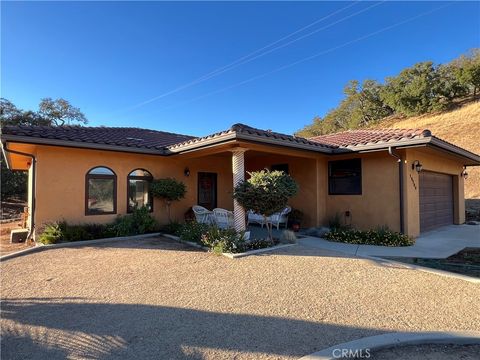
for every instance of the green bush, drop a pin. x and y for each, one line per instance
(52, 233)
(193, 231)
(224, 240)
(265, 192)
(381, 236)
(138, 222)
(172, 228)
(169, 190)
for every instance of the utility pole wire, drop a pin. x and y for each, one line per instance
(311, 56)
(245, 59)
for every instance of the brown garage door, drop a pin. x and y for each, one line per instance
(436, 200)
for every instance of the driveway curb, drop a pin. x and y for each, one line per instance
(395, 339)
(41, 247)
(423, 268)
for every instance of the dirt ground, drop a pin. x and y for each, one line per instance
(6, 247)
(157, 299)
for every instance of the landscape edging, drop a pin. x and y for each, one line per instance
(41, 247)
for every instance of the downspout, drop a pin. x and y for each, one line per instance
(400, 182)
(34, 171)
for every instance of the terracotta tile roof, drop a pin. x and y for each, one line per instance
(243, 129)
(116, 136)
(352, 138)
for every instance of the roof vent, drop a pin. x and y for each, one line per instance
(132, 138)
(426, 133)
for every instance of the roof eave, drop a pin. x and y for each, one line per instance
(77, 144)
(233, 135)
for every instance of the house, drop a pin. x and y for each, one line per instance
(408, 180)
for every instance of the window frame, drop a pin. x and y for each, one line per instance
(133, 177)
(89, 176)
(278, 167)
(360, 177)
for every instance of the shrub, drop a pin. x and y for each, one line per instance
(224, 240)
(173, 228)
(265, 192)
(193, 231)
(52, 233)
(335, 222)
(138, 222)
(256, 244)
(382, 236)
(169, 190)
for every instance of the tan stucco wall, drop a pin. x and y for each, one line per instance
(61, 182)
(378, 204)
(303, 170)
(432, 160)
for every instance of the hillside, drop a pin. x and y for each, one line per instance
(460, 127)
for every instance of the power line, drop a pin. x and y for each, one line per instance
(247, 58)
(310, 57)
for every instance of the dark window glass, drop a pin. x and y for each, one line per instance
(101, 192)
(139, 193)
(280, 167)
(345, 177)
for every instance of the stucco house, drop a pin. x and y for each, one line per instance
(408, 180)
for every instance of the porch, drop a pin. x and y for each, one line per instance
(231, 165)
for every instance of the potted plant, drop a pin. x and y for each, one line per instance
(295, 219)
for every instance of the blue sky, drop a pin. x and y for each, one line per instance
(112, 58)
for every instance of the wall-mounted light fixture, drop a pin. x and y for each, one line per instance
(186, 172)
(417, 166)
(464, 173)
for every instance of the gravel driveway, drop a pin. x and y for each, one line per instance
(154, 299)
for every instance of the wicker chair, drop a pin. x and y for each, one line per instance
(223, 218)
(202, 215)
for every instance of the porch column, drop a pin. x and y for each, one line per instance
(238, 169)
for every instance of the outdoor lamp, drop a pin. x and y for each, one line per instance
(186, 172)
(417, 166)
(464, 173)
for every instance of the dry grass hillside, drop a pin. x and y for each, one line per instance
(460, 127)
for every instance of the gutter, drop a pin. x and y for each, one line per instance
(5, 150)
(400, 182)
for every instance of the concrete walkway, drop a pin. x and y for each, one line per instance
(436, 244)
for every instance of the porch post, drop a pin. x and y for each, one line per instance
(238, 169)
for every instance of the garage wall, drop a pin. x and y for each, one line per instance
(436, 161)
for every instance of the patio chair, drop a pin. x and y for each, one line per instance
(202, 215)
(280, 218)
(254, 218)
(223, 218)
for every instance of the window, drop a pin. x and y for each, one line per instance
(101, 191)
(345, 177)
(280, 167)
(138, 191)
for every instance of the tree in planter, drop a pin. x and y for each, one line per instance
(266, 192)
(169, 190)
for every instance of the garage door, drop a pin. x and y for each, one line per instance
(436, 200)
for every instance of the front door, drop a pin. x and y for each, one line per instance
(207, 190)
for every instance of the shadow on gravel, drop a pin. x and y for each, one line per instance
(61, 328)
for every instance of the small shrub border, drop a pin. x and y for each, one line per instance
(138, 223)
(219, 240)
(380, 237)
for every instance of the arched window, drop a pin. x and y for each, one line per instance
(100, 191)
(139, 190)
